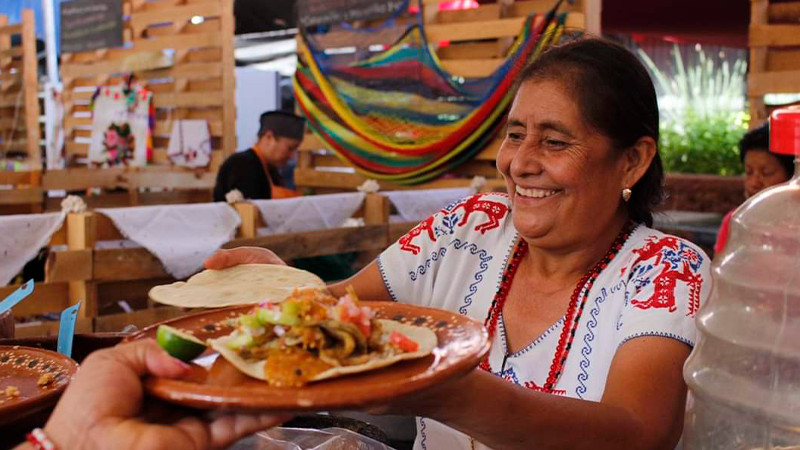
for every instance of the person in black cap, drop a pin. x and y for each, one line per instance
(255, 172)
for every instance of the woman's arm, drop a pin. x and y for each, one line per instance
(642, 407)
(367, 283)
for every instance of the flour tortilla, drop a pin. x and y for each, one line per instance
(424, 337)
(246, 284)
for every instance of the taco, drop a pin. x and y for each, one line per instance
(312, 336)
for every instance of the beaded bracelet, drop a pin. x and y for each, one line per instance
(39, 440)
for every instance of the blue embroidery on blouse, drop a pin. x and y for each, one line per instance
(509, 375)
(385, 279)
(423, 268)
(659, 334)
(423, 436)
(484, 266)
(502, 327)
(587, 339)
(439, 254)
(448, 225)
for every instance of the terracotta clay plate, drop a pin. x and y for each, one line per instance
(21, 369)
(215, 384)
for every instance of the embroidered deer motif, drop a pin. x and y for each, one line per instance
(495, 210)
(406, 241)
(679, 263)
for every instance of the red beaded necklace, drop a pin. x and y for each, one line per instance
(574, 311)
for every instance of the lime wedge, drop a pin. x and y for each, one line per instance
(179, 344)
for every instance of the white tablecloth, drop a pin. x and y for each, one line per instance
(180, 236)
(21, 237)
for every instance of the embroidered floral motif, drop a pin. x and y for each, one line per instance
(679, 262)
(448, 225)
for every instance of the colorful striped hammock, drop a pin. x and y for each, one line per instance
(398, 115)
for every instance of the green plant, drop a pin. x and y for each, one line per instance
(702, 117)
(704, 144)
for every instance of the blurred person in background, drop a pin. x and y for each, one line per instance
(762, 169)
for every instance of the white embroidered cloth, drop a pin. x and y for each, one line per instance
(416, 205)
(180, 236)
(308, 213)
(190, 143)
(653, 287)
(21, 237)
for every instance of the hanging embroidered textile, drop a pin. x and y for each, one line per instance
(122, 126)
(190, 143)
(398, 115)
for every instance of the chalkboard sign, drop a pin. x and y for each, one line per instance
(90, 25)
(320, 12)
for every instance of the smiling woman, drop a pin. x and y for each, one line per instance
(591, 311)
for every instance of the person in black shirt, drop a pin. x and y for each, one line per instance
(254, 172)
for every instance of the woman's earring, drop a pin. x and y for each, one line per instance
(626, 194)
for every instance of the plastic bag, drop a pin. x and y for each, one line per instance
(310, 439)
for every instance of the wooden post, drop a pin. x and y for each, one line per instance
(228, 81)
(759, 15)
(30, 83)
(376, 212)
(249, 215)
(5, 43)
(81, 235)
(376, 209)
(593, 12)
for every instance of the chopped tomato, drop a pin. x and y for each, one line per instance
(350, 312)
(402, 342)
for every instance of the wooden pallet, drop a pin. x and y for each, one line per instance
(101, 276)
(774, 54)
(19, 116)
(477, 40)
(199, 85)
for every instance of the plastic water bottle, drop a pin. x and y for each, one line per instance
(744, 373)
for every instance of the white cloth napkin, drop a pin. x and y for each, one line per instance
(418, 205)
(21, 237)
(180, 236)
(309, 213)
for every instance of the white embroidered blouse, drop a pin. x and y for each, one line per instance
(455, 259)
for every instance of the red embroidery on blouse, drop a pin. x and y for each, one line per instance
(672, 271)
(495, 210)
(535, 387)
(406, 240)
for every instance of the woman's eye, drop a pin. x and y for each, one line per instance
(554, 143)
(516, 136)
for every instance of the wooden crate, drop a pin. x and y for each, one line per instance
(774, 53)
(19, 116)
(101, 276)
(199, 85)
(477, 40)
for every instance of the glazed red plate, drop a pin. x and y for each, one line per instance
(215, 384)
(21, 369)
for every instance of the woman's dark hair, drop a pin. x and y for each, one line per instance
(616, 97)
(757, 139)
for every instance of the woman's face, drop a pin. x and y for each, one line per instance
(564, 178)
(761, 170)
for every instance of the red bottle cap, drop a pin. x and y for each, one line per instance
(784, 131)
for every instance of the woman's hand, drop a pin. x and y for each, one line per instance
(104, 407)
(223, 259)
